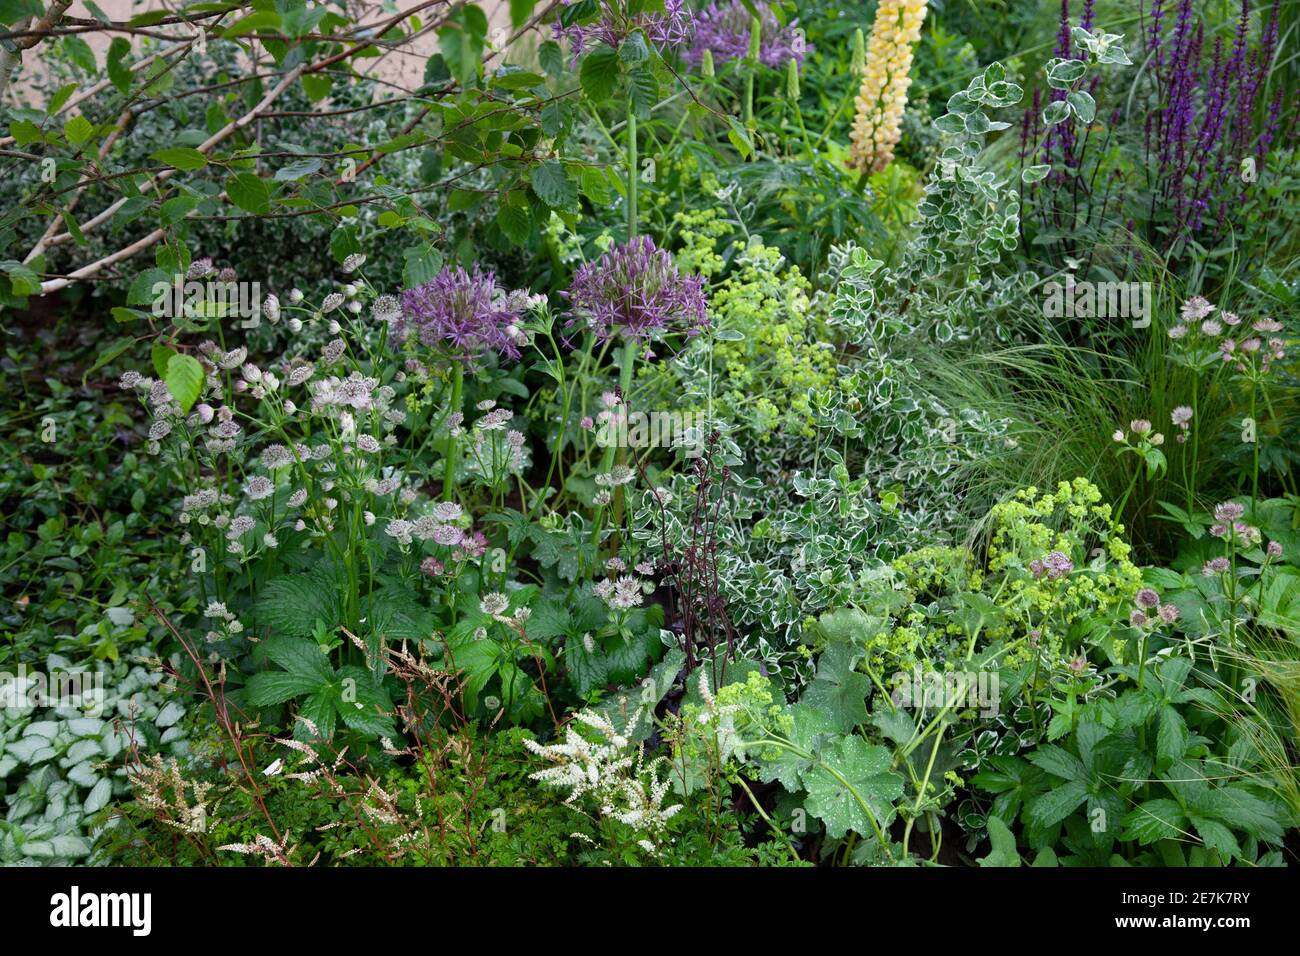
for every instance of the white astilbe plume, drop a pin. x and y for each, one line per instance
(610, 772)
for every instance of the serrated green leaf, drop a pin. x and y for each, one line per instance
(184, 158)
(553, 186)
(598, 74)
(184, 379)
(1055, 805)
(249, 192)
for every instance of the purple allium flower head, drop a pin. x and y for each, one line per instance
(460, 310)
(635, 289)
(723, 29)
(666, 30)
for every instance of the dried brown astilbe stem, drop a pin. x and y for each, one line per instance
(214, 693)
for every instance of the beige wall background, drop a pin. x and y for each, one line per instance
(404, 66)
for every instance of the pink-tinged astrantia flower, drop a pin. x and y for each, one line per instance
(666, 30)
(1228, 511)
(1058, 564)
(1148, 599)
(1196, 308)
(459, 310)
(1215, 566)
(635, 290)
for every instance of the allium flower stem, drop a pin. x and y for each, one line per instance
(449, 475)
(631, 170)
(751, 66)
(628, 358)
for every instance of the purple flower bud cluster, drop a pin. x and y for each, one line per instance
(723, 30)
(1207, 121)
(666, 30)
(635, 289)
(462, 311)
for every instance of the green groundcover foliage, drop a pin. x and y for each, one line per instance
(650, 433)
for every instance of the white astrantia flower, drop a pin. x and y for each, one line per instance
(400, 529)
(259, 487)
(447, 511)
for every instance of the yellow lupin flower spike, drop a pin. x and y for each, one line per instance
(883, 94)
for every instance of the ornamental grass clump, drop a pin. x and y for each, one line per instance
(885, 80)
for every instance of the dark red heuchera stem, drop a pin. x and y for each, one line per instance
(690, 570)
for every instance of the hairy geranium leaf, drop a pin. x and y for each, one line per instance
(1154, 820)
(855, 773)
(1055, 805)
(291, 604)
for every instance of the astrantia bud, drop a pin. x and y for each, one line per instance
(271, 308)
(205, 412)
(295, 296)
(295, 324)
